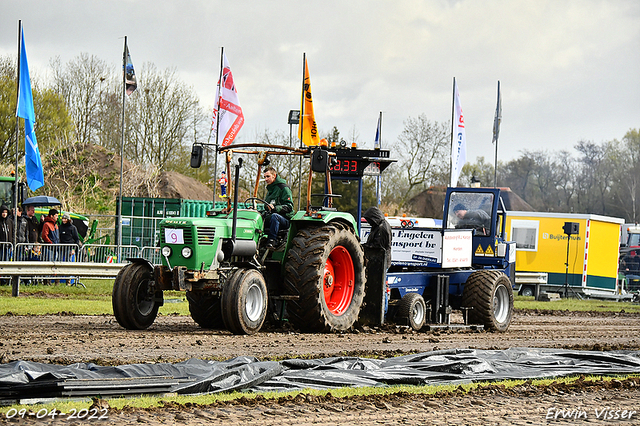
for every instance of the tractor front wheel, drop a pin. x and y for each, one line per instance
(325, 269)
(490, 297)
(244, 302)
(134, 299)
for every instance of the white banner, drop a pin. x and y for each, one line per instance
(227, 105)
(459, 146)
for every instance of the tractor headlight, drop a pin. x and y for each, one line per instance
(166, 251)
(187, 252)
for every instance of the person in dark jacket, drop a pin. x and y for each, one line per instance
(28, 232)
(279, 209)
(22, 227)
(31, 235)
(6, 233)
(68, 235)
(380, 235)
(472, 219)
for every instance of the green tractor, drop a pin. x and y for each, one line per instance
(315, 276)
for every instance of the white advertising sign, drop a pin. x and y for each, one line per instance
(456, 248)
(412, 246)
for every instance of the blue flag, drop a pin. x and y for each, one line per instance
(129, 73)
(35, 175)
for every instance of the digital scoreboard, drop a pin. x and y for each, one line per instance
(359, 162)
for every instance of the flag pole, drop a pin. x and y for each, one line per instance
(215, 160)
(124, 93)
(301, 130)
(496, 132)
(377, 146)
(15, 186)
(15, 281)
(453, 107)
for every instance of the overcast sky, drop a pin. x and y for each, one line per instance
(568, 70)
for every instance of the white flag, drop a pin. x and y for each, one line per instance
(227, 113)
(459, 146)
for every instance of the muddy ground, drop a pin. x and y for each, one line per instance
(64, 339)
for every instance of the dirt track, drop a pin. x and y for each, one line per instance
(66, 339)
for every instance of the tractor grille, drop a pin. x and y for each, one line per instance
(206, 235)
(186, 233)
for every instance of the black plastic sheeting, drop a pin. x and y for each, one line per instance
(28, 380)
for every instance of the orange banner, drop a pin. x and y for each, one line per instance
(308, 130)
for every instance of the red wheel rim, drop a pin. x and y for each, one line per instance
(338, 281)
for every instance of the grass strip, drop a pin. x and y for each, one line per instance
(151, 402)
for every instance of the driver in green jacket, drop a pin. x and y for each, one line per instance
(280, 208)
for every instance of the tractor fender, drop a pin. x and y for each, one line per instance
(301, 220)
(140, 261)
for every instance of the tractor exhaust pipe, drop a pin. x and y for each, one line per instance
(236, 181)
(231, 247)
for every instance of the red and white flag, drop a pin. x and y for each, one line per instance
(459, 143)
(227, 113)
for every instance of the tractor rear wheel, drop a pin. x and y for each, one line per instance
(244, 302)
(134, 299)
(490, 296)
(412, 311)
(205, 308)
(325, 269)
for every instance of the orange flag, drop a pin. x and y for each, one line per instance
(308, 130)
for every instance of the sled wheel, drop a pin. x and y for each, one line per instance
(325, 269)
(244, 302)
(412, 311)
(490, 296)
(205, 308)
(134, 299)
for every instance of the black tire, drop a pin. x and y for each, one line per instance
(526, 291)
(412, 311)
(244, 302)
(312, 251)
(135, 303)
(490, 296)
(206, 309)
(116, 298)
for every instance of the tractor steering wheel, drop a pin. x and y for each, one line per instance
(253, 200)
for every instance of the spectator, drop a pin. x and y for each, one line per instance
(50, 234)
(6, 233)
(22, 227)
(31, 232)
(68, 235)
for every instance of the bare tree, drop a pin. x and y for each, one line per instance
(161, 114)
(595, 176)
(630, 171)
(83, 83)
(566, 171)
(423, 148)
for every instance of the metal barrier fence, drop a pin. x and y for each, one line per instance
(34, 260)
(97, 253)
(46, 252)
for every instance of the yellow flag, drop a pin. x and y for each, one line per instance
(308, 130)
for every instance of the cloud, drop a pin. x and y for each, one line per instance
(568, 70)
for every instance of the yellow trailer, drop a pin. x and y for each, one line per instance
(543, 249)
